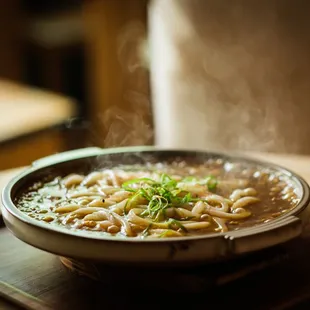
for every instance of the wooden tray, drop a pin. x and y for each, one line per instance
(281, 285)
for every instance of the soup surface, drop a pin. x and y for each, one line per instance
(162, 200)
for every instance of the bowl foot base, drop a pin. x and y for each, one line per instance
(195, 278)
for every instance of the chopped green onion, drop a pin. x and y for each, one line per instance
(137, 181)
(145, 232)
(176, 223)
(162, 194)
(189, 179)
(211, 182)
(187, 198)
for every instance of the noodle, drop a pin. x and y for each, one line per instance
(221, 223)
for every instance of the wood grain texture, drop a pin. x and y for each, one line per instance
(42, 275)
(21, 298)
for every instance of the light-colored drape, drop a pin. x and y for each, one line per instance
(231, 75)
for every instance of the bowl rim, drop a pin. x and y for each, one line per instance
(10, 207)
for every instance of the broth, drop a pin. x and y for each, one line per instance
(161, 200)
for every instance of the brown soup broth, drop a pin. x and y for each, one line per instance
(273, 193)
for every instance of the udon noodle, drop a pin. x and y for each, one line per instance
(160, 200)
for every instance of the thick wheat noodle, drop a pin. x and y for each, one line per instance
(184, 213)
(239, 193)
(108, 190)
(225, 215)
(84, 211)
(119, 207)
(218, 200)
(114, 178)
(79, 213)
(105, 224)
(67, 208)
(83, 202)
(124, 223)
(101, 203)
(104, 203)
(74, 179)
(120, 196)
(186, 206)
(244, 202)
(87, 198)
(92, 178)
(196, 225)
(86, 193)
(170, 212)
(97, 216)
(198, 208)
(221, 223)
(136, 228)
(135, 219)
(197, 189)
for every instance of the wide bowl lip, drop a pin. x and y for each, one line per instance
(10, 207)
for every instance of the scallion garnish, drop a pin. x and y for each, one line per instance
(211, 182)
(161, 194)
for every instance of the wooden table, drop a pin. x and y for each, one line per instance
(42, 275)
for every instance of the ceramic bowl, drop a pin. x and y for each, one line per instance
(169, 251)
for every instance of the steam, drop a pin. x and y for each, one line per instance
(131, 124)
(230, 75)
(132, 47)
(125, 128)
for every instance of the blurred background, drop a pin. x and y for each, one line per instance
(214, 74)
(71, 75)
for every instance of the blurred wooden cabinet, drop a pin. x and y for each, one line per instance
(118, 82)
(11, 52)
